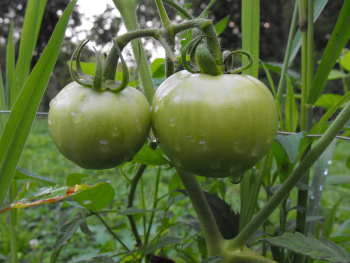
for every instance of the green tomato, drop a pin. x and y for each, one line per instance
(99, 129)
(214, 126)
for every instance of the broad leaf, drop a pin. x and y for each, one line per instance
(337, 74)
(27, 175)
(23, 112)
(323, 249)
(291, 144)
(328, 100)
(158, 68)
(165, 241)
(66, 233)
(221, 25)
(83, 192)
(345, 61)
(149, 156)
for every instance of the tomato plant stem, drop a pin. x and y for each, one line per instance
(242, 238)
(210, 229)
(179, 8)
(13, 222)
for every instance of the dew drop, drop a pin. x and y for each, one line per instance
(86, 202)
(115, 132)
(329, 162)
(76, 116)
(236, 179)
(201, 142)
(172, 123)
(190, 138)
(104, 142)
(70, 87)
(256, 150)
(240, 146)
(326, 172)
(215, 164)
(321, 188)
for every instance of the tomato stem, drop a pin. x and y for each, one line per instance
(247, 54)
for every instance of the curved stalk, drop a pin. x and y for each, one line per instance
(178, 8)
(242, 238)
(211, 231)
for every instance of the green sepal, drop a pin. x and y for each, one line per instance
(97, 81)
(206, 62)
(193, 51)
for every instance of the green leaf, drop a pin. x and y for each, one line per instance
(175, 183)
(345, 61)
(339, 38)
(10, 65)
(134, 211)
(158, 68)
(97, 197)
(318, 7)
(149, 156)
(341, 239)
(27, 175)
(337, 74)
(291, 144)
(202, 246)
(165, 241)
(31, 25)
(75, 178)
(21, 118)
(291, 111)
(277, 68)
(328, 225)
(221, 25)
(3, 106)
(213, 259)
(66, 233)
(328, 100)
(323, 249)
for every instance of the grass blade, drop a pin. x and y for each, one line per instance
(2, 104)
(250, 34)
(23, 113)
(338, 40)
(318, 7)
(31, 25)
(10, 64)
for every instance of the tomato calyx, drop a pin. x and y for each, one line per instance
(98, 81)
(202, 61)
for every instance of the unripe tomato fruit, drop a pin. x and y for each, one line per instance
(214, 126)
(99, 129)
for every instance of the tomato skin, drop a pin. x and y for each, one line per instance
(99, 129)
(214, 126)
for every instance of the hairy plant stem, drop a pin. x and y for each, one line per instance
(211, 232)
(255, 191)
(303, 195)
(111, 232)
(131, 195)
(13, 222)
(281, 84)
(242, 238)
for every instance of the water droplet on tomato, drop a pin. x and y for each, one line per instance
(215, 164)
(138, 125)
(256, 150)
(115, 132)
(190, 138)
(236, 179)
(61, 96)
(70, 87)
(172, 123)
(201, 142)
(76, 116)
(240, 146)
(86, 202)
(104, 142)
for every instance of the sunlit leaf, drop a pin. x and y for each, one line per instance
(345, 61)
(328, 100)
(149, 156)
(221, 25)
(337, 74)
(27, 175)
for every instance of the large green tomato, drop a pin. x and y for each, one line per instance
(214, 126)
(99, 129)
